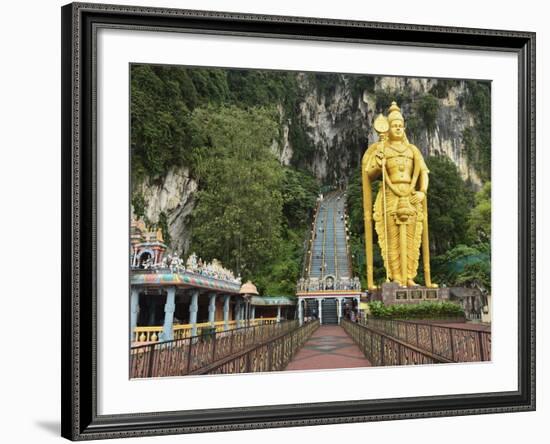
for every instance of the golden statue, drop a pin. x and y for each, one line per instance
(400, 211)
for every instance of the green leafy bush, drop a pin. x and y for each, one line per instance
(422, 310)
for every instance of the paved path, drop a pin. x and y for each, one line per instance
(328, 347)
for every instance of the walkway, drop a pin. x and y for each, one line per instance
(328, 347)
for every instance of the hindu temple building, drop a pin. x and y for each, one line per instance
(327, 289)
(171, 298)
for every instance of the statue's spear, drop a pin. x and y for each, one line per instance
(384, 208)
(382, 126)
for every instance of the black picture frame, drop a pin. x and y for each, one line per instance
(79, 316)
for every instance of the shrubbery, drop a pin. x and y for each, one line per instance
(422, 310)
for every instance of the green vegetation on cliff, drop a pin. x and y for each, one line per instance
(477, 139)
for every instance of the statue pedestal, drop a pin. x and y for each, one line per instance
(391, 293)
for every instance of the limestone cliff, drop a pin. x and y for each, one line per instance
(338, 122)
(172, 196)
(327, 132)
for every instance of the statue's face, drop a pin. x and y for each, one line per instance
(397, 129)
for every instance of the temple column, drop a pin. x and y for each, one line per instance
(278, 313)
(300, 312)
(253, 312)
(320, 307)
(134, 311)
(212, 308)
(169, 308)
(237, 313)
(193, 308)
(339, 309)
(226, 312)
(242, 313)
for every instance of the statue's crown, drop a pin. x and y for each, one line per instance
(394, 112)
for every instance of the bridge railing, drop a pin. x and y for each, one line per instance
(272, 355)
(148, 334)
(383, 350)
(454, 344)
(190, 355)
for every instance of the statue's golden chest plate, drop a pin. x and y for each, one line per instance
(399, 165)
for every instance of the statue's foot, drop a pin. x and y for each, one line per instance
(411, 283)
(400, 282)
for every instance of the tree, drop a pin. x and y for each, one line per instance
(462, 265)
(449, 203)
(479, 220)
(476, 274)
(299, 192)
(239, 206)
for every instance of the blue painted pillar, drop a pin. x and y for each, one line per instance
(226, 312)
(242, 313)
(212, 308)
(238, 312)
(134, 311)
(169, 308)
(193, 308)
(253, 312)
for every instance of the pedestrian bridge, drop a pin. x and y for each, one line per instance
(289, 345)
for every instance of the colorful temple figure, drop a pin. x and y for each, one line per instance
(400, 211)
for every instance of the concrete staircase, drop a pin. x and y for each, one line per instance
(330, 313)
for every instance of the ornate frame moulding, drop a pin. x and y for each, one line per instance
(80, 418)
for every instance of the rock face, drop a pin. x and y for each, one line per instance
(338, 125)
(336, 122)
(173, 195)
